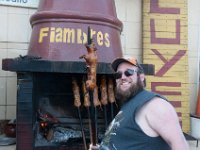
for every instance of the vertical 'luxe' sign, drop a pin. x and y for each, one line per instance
(165, 46)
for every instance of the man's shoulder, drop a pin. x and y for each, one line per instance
(159, 102)
(158, 106)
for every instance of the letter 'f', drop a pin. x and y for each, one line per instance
(43, 33)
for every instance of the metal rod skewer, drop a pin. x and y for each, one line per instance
(77, 103)
(93, 113)
(90, 85)
(87, 104)
(111, 96)
(82, 131)
(104, 98)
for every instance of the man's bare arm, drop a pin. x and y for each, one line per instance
(162, 118)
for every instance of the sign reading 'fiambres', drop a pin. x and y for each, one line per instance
(20, 3)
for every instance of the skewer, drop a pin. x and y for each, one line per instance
(104, 98)
(93, 112)
(111, 96)
(91, 102)
(96, 104)
(90, 85)
(77, 103)
(87, 105)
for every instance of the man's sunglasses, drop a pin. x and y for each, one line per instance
(128, 72)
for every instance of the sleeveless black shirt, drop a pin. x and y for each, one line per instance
(125, 134)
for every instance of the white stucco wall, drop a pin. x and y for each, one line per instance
(15, 34)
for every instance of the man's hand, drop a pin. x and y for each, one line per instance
(94, 147)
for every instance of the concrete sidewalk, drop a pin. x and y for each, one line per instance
(192, 145)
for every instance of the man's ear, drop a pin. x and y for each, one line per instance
(142, 77)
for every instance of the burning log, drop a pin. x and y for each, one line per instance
(59, 134)
(46, 121)
(62, 135)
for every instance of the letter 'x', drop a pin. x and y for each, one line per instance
(170, 63)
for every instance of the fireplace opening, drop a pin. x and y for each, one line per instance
(57, 121)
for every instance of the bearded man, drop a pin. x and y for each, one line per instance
(146, 120)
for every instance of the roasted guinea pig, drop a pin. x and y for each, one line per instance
(91, 63)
